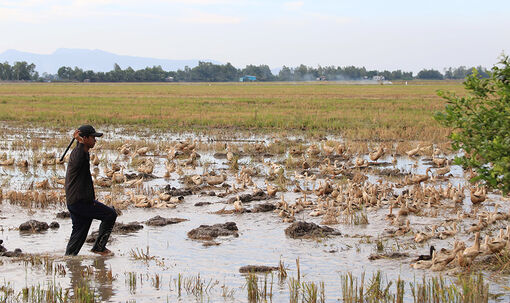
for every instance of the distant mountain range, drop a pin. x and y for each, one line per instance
(96, 60)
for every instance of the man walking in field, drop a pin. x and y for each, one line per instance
(80, 197)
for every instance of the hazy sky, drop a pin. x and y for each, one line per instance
(409, 35)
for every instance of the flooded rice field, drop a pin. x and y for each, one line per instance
(316, 218)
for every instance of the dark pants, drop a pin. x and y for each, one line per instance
(82, 215)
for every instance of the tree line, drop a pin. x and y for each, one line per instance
(18, 71)
(210, 72)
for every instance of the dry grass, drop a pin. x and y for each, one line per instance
(371, 112)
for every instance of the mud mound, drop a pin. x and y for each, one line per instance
(209, 232)
(145, 176)
(34, 226)
(178, 191)
(16, 253)
(124, 228)
(160, 221)
(305, 230)
(392, 255)
(390, 172)
(256, 268)
(208, 193)
(220, 155)
(118, 228)
(63, 215)
(380, 164)
(202, 203)
(258, 196)
(4, 253)
(264, 207)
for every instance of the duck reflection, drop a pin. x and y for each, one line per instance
(96, 274)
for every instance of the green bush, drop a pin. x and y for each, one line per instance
(480, 123)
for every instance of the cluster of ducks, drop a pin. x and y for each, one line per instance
(31, 198)
(329, 183)
(465, 256)
(462, 256)
(45, 159)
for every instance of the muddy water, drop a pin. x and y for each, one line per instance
(261, 240)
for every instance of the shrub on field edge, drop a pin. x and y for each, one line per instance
(480, 123)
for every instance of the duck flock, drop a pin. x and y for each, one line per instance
(329, 182)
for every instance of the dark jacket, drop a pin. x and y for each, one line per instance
(79, 186)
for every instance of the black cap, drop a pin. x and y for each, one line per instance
(88, 130)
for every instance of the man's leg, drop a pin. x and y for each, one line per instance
(107, 215)
(81, 226)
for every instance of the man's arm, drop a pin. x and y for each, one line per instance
(77, 136)
(77, 158)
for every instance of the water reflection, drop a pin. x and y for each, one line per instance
(81, 274)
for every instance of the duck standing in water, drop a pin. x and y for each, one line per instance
(429, 256)
(424, 264)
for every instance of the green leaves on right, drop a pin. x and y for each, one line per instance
(480, 123)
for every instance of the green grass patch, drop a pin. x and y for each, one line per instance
(374, 112)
